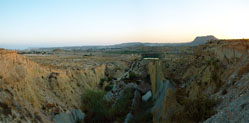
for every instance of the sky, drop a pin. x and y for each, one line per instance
(49, 23)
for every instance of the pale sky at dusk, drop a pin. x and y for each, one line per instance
(40, 23)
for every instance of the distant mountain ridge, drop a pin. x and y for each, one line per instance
(197, 41)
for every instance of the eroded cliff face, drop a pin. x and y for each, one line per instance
(218, 70)
(216, 65)
(234, 91)
(163, 93)
(41, 92)
(152, 71)
(230, 49)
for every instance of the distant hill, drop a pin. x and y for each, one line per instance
(202, 40)
(132, 44)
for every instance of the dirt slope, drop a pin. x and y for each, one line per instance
(35, 93)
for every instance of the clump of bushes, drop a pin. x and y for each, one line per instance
(122, 107)
(108, 80)
(195, 110)
(98, 109)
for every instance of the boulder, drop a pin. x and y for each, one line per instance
(74, 116)
(144, 87)
(128, 117)
(131, 85)
(147, 96)
(109, 96)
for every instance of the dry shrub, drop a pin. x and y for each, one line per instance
(195, 110)
(243, 70)
(181, 95)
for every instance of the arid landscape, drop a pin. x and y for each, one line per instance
(124, 61)
(202, 83)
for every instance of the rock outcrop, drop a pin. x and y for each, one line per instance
(163, 94)
(202, 40)
(147, 96)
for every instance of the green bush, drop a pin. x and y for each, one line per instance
(99, 110)
(108, 87)
(214, 76)
(132, 76)
(103, 79)
(95, 106)
(101, 83)
(109, 79)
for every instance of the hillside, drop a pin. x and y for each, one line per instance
(32, 93)
(212, 85)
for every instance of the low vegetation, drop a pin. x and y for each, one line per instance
(126, 52)
(101, 83)
(142, 112)
(195, 110)
(99, 110)
(106, 83)
(216, 71)
(95, 106)
(122, 106)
